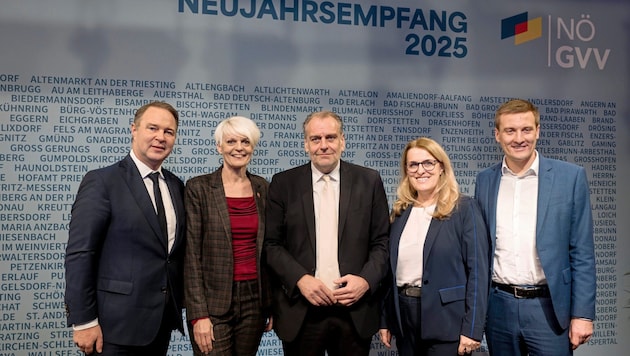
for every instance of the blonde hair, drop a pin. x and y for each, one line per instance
(238, 126)
(447, 189)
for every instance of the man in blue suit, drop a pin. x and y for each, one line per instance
(125, 247)
(542, 300)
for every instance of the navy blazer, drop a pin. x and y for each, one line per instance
(290, 241)
(455, 277)
(117, 264)
(564, 233)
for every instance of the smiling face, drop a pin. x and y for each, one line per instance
(236, 150)
(422, 181)
(153, 136)
(517, 134)
(324, 142)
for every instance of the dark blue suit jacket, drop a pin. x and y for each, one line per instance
(117, 264)
(564, 233)
(455, 278)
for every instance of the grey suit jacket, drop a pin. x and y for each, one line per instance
(290, 242)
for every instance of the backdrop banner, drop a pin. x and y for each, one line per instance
(73, 72)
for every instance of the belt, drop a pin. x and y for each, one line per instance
(410, 291)
(523, 292)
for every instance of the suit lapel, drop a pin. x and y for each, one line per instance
(493, 191)
(141, 195)
(345, 193)
(178, 205)
(545, 183)
(259, 198)
(434, 228)
(305, 181)
(219, 202)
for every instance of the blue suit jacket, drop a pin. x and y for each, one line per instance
(117, 264)
(455, 278)
(564, 233)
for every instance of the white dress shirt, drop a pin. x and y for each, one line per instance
(515, 257)
(171, 219)
(411, 246)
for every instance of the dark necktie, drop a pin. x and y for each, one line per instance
(157, 193)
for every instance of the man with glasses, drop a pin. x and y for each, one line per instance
(326, 243)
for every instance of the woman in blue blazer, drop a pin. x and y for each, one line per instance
(438, 283)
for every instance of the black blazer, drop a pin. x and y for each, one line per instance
(117, 264)
(290, 242)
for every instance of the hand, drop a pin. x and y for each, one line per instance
(386, 337)
(86, 339)
(580, 332)
(315, 291)
(354, 287)
(467, 345)
(269, 324)
(204, 335)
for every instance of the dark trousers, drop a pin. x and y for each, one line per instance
(239, 331)
(524, 327)
(327, 329)
(411, 344)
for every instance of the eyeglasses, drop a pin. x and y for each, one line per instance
(428, 165)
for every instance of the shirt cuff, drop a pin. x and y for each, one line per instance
(91, 324)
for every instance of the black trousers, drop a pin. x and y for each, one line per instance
(328, 329)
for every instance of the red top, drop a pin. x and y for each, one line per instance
(244, 221)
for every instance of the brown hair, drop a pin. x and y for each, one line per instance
(157, 104)
(516, 106)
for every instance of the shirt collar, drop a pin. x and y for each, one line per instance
(317, 175)
(531, 171)
(143, 168)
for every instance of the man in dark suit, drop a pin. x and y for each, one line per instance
(538, 212)
(326, 243)
(125, 247)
